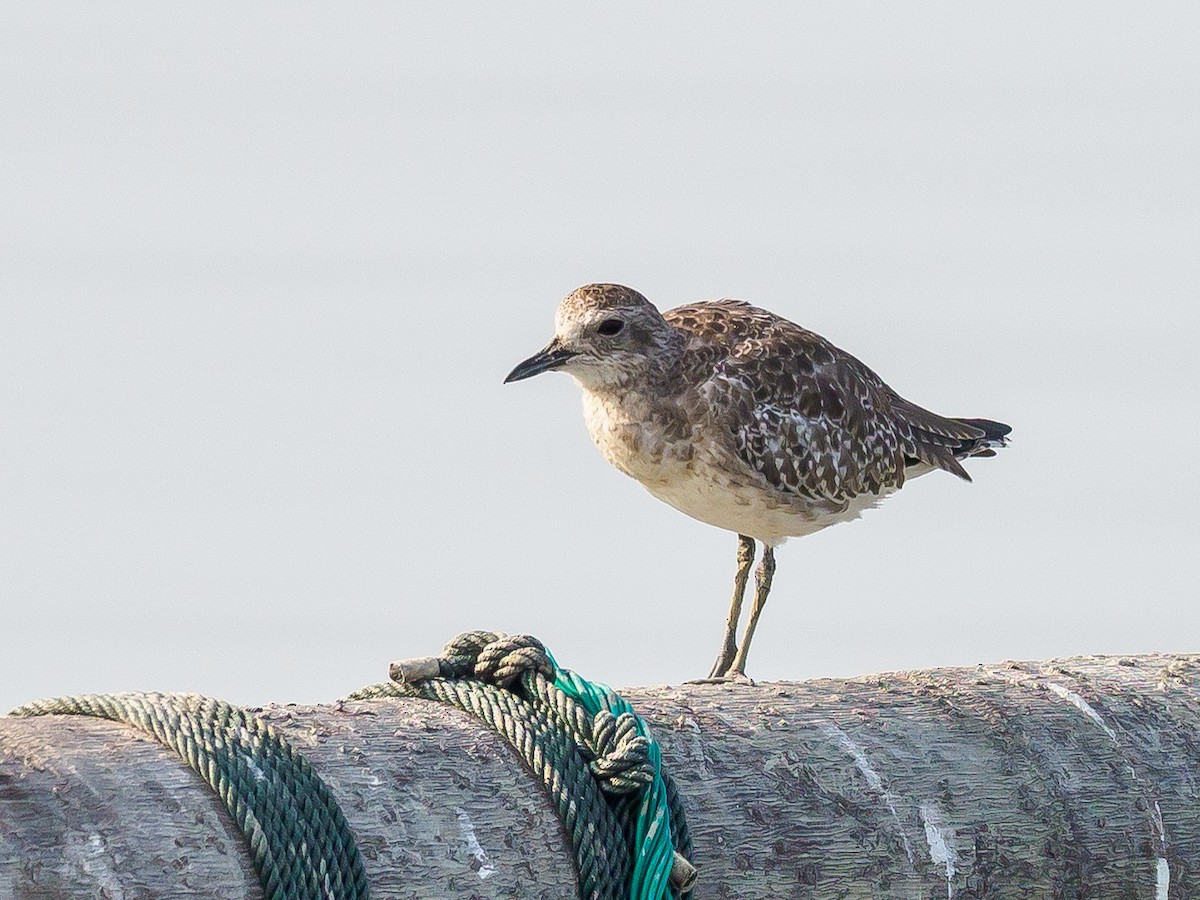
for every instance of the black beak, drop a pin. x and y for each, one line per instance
(551, 358)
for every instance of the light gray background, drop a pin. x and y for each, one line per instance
(263, 268)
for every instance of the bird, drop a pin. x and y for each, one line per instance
(746, 421)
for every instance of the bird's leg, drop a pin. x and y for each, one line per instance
(762, 587)
(745, 559)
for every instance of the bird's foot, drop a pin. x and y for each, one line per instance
(732, 678)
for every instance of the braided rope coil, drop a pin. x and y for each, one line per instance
(586, 745)
(300, 843)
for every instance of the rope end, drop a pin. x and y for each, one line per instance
(410, 671)
(683, 874)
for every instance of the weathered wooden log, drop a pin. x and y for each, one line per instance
(1068, 779)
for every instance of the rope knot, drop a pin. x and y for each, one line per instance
(459, 655)
(503, 661)
(621, 760)
(587, 746)
(500, 659)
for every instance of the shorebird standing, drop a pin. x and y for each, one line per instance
(746, 421)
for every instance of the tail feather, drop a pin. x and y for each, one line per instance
(957, 440)
(994, 436)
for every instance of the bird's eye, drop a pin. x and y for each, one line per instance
(609, 327)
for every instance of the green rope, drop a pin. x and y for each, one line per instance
(593, 754)
(652, 840)
(300, 843)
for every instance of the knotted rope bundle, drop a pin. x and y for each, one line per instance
(300, 844)
(586, 745)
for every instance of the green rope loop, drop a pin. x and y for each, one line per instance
(591, 751)
(652, 838)
(300, 843)
(589, 748)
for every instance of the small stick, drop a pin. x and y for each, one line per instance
(410, 671)
(683, 874)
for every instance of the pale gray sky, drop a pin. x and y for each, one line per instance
(264, 266)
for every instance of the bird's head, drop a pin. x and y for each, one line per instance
(604, 336)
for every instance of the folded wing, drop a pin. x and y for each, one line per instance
(809, 418)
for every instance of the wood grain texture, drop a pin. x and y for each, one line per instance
(1076, 778)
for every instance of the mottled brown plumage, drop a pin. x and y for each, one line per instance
(745, 420)
(807, 416)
